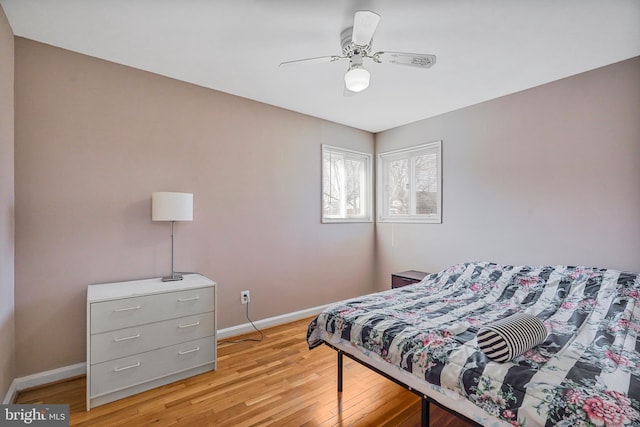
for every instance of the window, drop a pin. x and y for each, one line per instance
(410, 184)
(346, 185)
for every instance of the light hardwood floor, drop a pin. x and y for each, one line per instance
(276, 382)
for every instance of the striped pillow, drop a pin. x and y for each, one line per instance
(507, 338)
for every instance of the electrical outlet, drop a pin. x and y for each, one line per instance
(245, 297)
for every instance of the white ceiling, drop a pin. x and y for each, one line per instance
(485, 48)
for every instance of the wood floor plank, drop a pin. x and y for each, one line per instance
(278, 382)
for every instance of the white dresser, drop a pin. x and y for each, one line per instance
(146, 333)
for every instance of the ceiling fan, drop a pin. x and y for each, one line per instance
(356, 47)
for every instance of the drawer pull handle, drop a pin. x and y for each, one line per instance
(197, 297)
(132, 337)
(188, 325)
(181, 352)
(124, 368)
(135, 307)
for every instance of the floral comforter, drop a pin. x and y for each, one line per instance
(586, 373)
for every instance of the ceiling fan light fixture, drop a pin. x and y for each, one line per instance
(357, 78)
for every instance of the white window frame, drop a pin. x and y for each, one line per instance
(366, 185)
(409, 153)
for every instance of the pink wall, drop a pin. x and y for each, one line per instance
(546, 176)
(7, 330)
(94, 139)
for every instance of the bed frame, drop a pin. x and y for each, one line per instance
(425, 400)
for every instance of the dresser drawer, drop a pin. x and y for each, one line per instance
(124, 313)
(138, 339)
(132, 370)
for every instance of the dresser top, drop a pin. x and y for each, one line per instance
(116, 290)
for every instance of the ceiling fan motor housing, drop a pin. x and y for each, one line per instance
(349, 48)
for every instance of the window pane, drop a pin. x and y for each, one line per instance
(332, 178)
(426, 173)
(346, 187)
(354, 173)
(410, 184)
(398, 187)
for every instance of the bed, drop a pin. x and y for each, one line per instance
(423, 336)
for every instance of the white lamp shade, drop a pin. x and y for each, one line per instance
(357, 79)
(168, 206)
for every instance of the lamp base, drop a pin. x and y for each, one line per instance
(173, 278)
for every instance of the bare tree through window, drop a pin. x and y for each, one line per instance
(346, 185)
(410, 184)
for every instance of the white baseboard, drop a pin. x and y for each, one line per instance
(34, 380)
(11, 393)
(269, 322)
(41, 378)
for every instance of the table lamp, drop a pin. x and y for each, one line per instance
(169, 206)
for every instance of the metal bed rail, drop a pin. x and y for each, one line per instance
(425, 401)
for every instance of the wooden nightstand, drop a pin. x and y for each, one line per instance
(405, 278)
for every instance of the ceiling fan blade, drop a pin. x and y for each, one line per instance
(317, 60)
(365, 23)
(420, 60)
